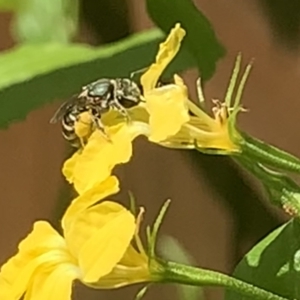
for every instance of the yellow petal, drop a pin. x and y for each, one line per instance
(53, 285)
(43, 236)
(17, 272)
(132, 268)
(69, 166)
(6, 291)
(109, 187)
(167, 51)
(88, 222)
(132, 258)
(168, 110)
(95, 163)
(112, 228)
(43, 263)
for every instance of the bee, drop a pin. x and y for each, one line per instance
(97, 98)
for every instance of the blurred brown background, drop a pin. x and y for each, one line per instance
(217, 213)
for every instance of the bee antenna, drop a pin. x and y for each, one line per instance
(132, 74)
(53, 120)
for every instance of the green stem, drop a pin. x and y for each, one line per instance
(272, 179)
(269, 155)
(183, 274)
(283, 191)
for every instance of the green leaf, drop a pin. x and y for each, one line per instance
(46, 21)
(273, 264)
(9, 5)
(31, 76)
(200, 40)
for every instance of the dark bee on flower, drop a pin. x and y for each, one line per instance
(97, 98)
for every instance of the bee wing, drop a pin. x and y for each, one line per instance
(58, 115)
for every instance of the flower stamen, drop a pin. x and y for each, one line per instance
(137, 238)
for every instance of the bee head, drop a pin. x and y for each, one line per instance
(97, 91)
(129, 94)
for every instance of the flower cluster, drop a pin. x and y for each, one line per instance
(167, 117)
(96, 247)
(100, 243)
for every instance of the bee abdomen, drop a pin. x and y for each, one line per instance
(68, 129)
(69, 119)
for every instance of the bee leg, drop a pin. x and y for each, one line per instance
(120, 108)
(82, 142)
(116, 105)
(99, 125)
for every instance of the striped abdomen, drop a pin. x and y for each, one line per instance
(68, 126)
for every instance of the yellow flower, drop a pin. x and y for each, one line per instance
(134, 266)
(164, 118)
(217, 134)
(95, 248)
(165, 108)
(168, 110)
(94, 163)
(166, 105)
(163, 114)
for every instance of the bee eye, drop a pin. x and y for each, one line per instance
(101, 89)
